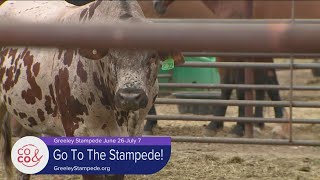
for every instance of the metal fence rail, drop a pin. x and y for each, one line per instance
(236, 21)
(251, 65)
(252, 54)
(237, 86)
(245, 141)
(268, 38)
(231, 119)
(250, 103)
(238, 102)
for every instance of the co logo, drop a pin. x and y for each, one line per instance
(30, 155)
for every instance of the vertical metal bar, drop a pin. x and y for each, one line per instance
(291, 77)
(291, 100)
(250, 9)
(170, 79)
(249, 79)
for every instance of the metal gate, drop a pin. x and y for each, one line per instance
(273, 38)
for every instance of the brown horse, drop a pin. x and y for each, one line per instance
(239, 10)
(179, 9)
(272, 9)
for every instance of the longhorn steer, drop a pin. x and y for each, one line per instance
(76, 92)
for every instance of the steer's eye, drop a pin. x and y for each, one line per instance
(94, 54)
(153, 56)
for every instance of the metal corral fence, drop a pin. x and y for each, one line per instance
(268, 38)
(248, 102)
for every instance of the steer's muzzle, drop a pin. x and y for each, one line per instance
(131, 99)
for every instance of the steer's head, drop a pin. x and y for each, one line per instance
(136, 73)
(128, 76)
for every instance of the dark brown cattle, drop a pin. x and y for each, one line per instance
(283, 9)
(247, 9)
(179, 9)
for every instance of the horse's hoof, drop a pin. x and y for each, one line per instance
(278, 133)
(147, 132)
(238, 131)
(210, 132)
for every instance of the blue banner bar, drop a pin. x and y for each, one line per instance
(60, 141)
(106, 155)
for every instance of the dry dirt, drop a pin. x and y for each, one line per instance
(222, 161)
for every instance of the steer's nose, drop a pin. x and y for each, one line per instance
(131, 99)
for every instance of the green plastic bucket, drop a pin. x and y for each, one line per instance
(191, 74)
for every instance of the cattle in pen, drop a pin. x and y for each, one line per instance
(76, 91)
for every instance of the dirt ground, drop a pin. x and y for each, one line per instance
(222, 161)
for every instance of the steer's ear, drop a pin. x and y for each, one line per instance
(175, 55)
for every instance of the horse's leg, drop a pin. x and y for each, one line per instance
(274, 93)
(259, 109)
(282, 130)
(260, 78)
(238, 129)
(316, 72)
(214, 126)
(150, 123)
